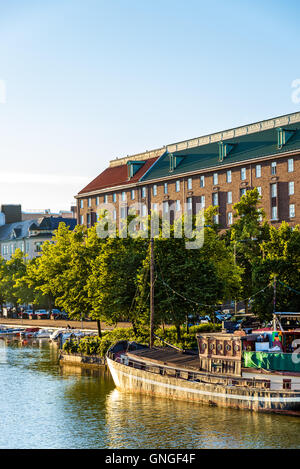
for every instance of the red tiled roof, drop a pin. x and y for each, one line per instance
(116, 176)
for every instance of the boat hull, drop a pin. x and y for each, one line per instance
(131, 379)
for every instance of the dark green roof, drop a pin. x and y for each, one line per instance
(246, 147)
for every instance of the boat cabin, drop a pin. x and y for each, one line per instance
(220, 353)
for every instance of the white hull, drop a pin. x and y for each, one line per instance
(135, 380)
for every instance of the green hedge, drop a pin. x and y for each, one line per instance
(99, 346)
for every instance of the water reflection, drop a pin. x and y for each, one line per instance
(136, 421)
(45, 405)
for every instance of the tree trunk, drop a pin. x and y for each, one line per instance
(246, 306)
(134, 328)
(99, 328)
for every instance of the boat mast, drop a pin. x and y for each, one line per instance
(151, 292)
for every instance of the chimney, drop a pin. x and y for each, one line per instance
(13, 213)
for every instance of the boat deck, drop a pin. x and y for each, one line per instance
(167, 357)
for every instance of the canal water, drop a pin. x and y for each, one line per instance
(44, 405)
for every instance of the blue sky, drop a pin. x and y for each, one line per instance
(88, 81)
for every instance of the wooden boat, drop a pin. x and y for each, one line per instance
(215, 376)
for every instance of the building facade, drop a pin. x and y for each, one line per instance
(215, 169)
(29, 235)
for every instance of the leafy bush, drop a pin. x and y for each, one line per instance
(99, 346)
(70, 346)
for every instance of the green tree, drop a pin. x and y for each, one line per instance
(10, 272)
(112, 284)
(280, 262)
(245, 236)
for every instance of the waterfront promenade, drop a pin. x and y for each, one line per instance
(60, 323)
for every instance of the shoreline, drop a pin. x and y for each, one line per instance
(61, 324)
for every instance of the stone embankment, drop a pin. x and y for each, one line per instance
(82, 360)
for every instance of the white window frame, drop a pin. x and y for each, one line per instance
(258, 171)
(273, 168)
(290, 165)
(292, 212)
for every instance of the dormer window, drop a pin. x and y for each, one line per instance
(174, 161)
(283, 136)
(224, 150)
(133, 167)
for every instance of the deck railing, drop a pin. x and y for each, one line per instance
(192, 376)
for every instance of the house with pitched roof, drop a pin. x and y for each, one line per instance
(29, 235)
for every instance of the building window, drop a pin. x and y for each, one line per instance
(88, 219)
(114, 197)
(216, 219)
(114, 214)
(273, 190)
(132, 194)
(215, 179)
(81, 219)
(154, 207)
(229, 176)
(202, 200)
(165, 188)
(177, 205)
(123, 212)
(143, 192)
(291, 188)
(215, 198)
(97, 200)
(189, 184)
(229, 197)
(259, 190)
(123, 196)
(290, 165)
(144, 210)
(190, 203)
(243, 192)
(106, 199)
(243, 174)
(273, 168)
(258, 170)
(177, 186)
(166, 207)
(292, 210)
(274, 213)
(229, 218)
(89, 202)
(202, 181)
(154, 190)
(81, 203)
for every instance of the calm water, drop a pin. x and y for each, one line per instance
(44, 405)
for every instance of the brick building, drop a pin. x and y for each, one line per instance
(215, 169)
